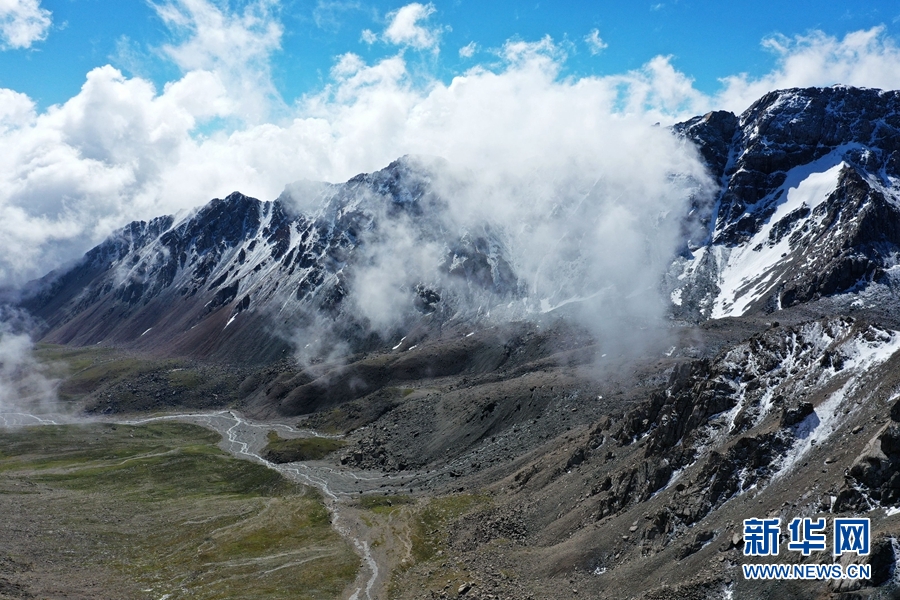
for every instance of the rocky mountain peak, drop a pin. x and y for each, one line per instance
(809, 183)
(713, 134)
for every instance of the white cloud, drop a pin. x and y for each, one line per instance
(15, 109)
(659, 91)
(581, 193)
(91, 164)
(544, 51)
(595, 42)
(347, 64)
(865, 58)
(404, 28)
(23, 22)
(368, 36)
(468, 51)
(235, 46)
(24, 383)
(328, 14)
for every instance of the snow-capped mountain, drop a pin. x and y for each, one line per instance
(808, 206)
(244, 274)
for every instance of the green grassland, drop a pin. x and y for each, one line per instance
(281, 450)
(429, 528)
(118, 511)
(385, 504)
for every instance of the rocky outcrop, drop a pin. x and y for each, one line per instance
(875, 477)
(736, 419)
(791, 128)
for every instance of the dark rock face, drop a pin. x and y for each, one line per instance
(714, 135)
(796, 415)
(790, 128)
(882, 560)
(841, 244)
(895, 411)
(876, 477)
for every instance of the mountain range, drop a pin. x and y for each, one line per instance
(771, 387)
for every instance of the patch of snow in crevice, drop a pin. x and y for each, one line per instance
(815, 428)
(742, 482)
(888, 187)
(861, 356)
(146, 332)
(673, 479)
(765, 406)
(747, 271)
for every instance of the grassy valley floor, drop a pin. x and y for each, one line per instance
(157, 511)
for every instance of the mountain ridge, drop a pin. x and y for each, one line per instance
(802, 239)
(761, 159)
(240, 254)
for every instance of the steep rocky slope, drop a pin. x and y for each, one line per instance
(808, 204)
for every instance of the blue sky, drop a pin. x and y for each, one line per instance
(115, 111)
(707, 40)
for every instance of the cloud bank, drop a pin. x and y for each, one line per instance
(122, 149)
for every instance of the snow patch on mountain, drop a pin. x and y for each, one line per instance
(748, 271)
(860, 355)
